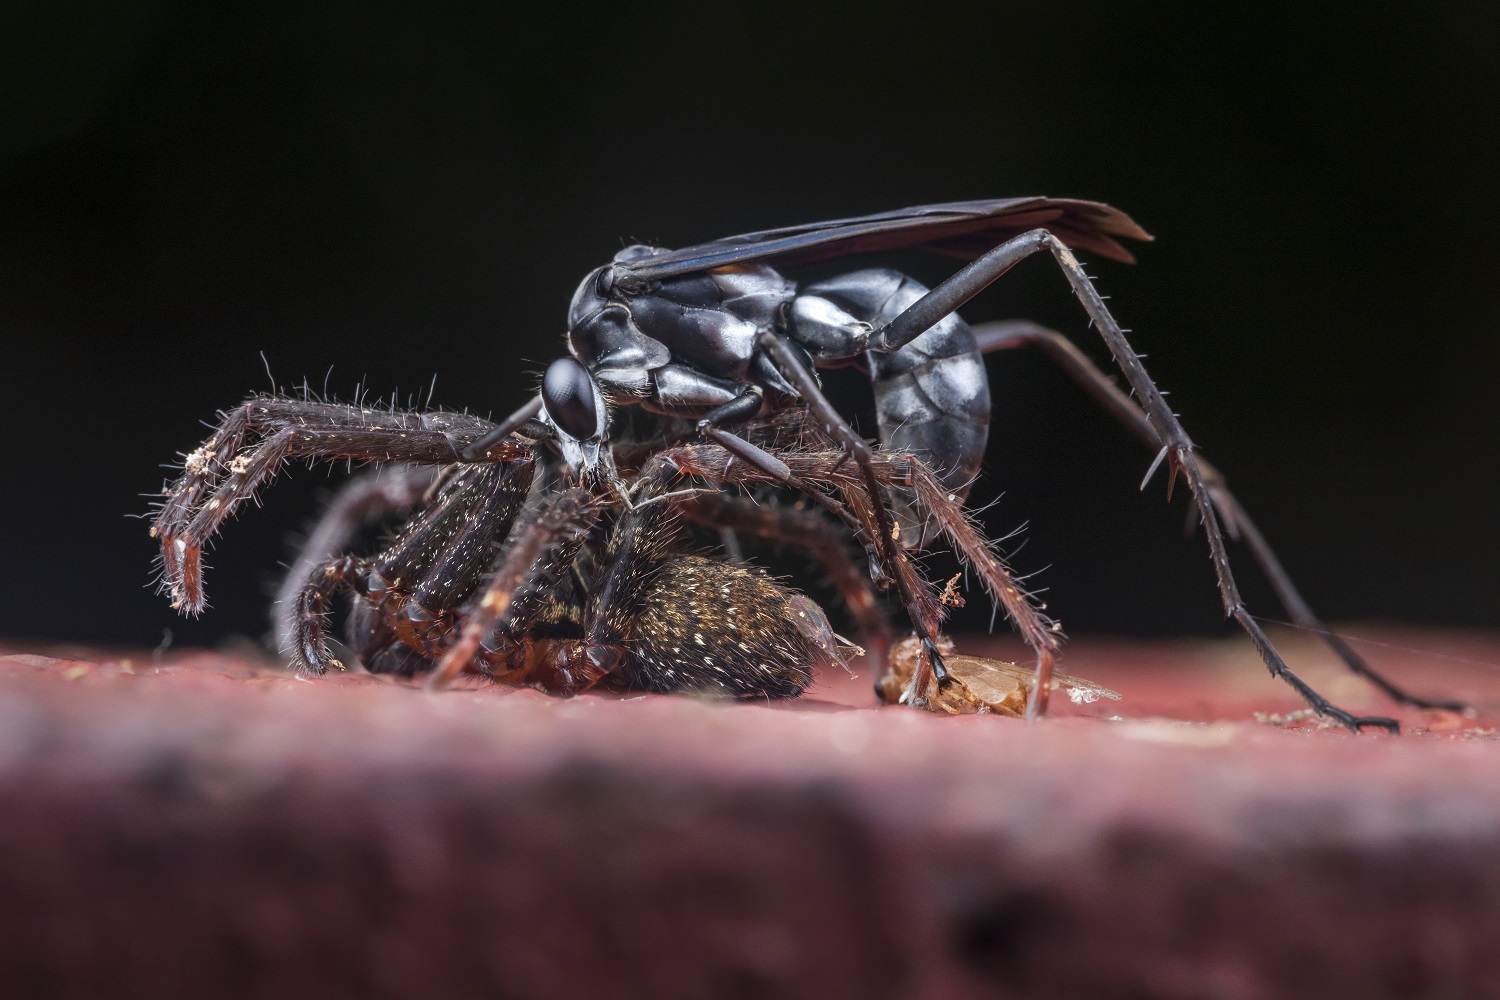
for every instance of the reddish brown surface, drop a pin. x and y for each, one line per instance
(205, 826)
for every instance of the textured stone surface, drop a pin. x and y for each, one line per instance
(209, 825)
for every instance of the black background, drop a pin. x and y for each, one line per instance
(399, 195)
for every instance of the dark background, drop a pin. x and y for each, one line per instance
(401, 195)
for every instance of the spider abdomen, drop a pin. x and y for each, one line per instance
(717, 628)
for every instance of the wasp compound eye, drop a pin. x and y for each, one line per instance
(569, 397)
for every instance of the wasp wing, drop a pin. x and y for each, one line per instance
(964, 229)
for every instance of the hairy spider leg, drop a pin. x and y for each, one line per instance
(1176, 447)
(1007, 334)
(1040, 632)
(536, 551)
(901, 469)
(740, 410)
(755, 465)
(856, 512)
(307, 617)
(371, 495)
(922, 607)
(249, 447)
(418, 583)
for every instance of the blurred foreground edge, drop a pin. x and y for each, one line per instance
(209, 826)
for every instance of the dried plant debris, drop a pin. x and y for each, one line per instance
(1282, 720)
(978, 685)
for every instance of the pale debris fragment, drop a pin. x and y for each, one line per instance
(980, 685)
(198, 461)
(1179, 732)
(1301, 715)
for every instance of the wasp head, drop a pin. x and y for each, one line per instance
(576, 409)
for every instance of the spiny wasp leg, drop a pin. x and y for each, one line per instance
(1065, 354)
(1168, 431)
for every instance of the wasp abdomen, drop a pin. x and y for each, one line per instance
(932, 396)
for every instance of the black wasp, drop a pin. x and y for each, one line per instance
(715, 332)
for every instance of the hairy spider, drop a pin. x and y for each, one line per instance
(648, 616)
(439, 593)
(560, 587)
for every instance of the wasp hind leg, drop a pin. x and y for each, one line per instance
(1065, 354)
(1176, 448)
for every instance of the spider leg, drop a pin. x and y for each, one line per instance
(1175, 444)
(779, 472)
(755, 465)
(899, 469)
(805, 530)
(251, 444)
(368, 496)
(417, 582)
(920, 603)
(1062, 351)
(307, 615)
(546, 546)
(896, 469)
(636, 543)
(439, 568)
